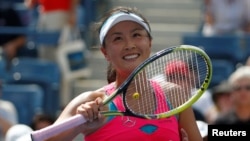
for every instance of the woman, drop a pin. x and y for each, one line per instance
(239, 113)
(125, 42)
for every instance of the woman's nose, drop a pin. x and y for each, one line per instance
(130, 44)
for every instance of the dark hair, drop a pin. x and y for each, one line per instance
(111, 73)
(40, 118)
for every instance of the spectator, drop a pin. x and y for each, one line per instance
(53, 16)
(41, 120)
(225, 17)
(18, 132)
(239, 81)
(10, 43)
(8, 116)
(222, 102)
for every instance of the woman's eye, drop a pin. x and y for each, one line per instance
(136, 35)
(117, 38)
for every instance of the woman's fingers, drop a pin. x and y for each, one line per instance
(184, 135)
(90, 110)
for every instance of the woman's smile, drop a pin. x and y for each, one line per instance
(131, 56)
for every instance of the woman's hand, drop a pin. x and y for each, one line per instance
(91, 112)
(184, 135)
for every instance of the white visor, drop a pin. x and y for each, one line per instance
(119, 17)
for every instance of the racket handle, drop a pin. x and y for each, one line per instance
(54, 129)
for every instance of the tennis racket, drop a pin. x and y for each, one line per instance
(165, 84)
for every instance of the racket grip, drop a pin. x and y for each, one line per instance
(54, 129)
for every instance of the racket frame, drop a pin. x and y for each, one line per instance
(138, 69)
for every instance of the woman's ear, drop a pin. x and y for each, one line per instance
(150, 43)
(104, 52)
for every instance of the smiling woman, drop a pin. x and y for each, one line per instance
(125, 41)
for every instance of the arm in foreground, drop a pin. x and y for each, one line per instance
(88, 105)
(187, 121)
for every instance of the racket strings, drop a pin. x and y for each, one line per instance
(166, 83)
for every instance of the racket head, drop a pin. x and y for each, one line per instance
(167, 83)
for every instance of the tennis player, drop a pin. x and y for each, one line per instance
(125, 41)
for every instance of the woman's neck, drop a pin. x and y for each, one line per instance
(118, 82)
(120, 79)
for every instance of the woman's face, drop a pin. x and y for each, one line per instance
(241, 92)
(127, 44)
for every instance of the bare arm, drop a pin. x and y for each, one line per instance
(85, 99)
(187, 121)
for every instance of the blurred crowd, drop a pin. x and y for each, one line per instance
(222, 17)
(227, 102)
(17, 17)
